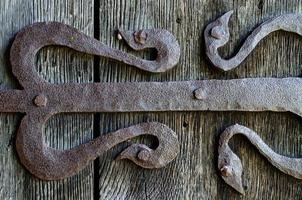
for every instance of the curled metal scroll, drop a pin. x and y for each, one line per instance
(230, 165)
(52, 164)
(217, 35)
(39, 35)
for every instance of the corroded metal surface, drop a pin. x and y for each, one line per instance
(230, 165)
(217, 35)
(51, 164)
(39, 99)
(273, 94)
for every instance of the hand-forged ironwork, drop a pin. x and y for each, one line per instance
(217, 35)
(39, 99)
(230, 165)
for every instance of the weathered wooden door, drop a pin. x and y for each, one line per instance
(193, 175)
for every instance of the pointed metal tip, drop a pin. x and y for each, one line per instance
(228, 14)
(240, 189)
(231, 11)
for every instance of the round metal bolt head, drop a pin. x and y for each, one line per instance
(140, 36)
(143, 155)
(217, 32)
(226, 171)
(40, 100)
(199, 94)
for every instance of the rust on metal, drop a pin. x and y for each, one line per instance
(40, 100)
(140, 36)
(226, 171)
(217, 35)
(230, 164)
(52, 164)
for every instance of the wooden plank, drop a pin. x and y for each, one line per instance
(193, 175)
(57, 66)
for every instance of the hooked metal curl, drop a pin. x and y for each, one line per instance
(230, 165)
(217, 34)
(41, 34)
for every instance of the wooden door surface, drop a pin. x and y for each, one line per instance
(193, 174)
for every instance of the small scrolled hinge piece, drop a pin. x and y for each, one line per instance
(217, 34)
(230, 165)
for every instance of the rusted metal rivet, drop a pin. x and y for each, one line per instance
(199, 94)
(226, 171)
(40, 100)
(143, 155)
(217, 32)
(140, 36)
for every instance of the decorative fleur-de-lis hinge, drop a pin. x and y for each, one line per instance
(39, 100)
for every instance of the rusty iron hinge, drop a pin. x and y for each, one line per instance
(39, 100)
(286, 94)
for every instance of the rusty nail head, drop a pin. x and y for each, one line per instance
(143, 155)
(217, 32)
(40, 100)
(140, 36)
(226, 171)
(199, 94)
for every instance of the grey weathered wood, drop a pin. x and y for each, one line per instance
(57, 66)
(193, 175)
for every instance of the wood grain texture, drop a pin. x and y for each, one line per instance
(193, 175)
(57, 66)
